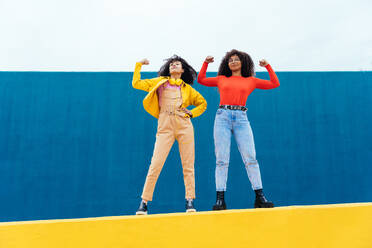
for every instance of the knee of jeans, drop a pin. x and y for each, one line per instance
(221, 163)
(250, 162)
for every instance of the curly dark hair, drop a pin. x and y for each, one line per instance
(246, 60)
(189, 74)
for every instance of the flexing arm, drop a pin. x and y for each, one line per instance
(267, 84)
(144, 84)
(202, 79)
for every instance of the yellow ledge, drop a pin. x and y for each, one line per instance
(339, 225)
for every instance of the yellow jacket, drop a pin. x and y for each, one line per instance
(151, 103)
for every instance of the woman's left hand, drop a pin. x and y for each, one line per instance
(263, 62)
(188, 112)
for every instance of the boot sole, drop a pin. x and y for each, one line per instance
(190, 210)
(141, 213)
(218, 208)
(264, 206)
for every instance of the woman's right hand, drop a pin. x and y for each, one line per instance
(144, 61)
(209, 59)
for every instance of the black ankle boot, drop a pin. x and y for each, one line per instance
(142, 210)
(190, 206)
(220, 201)
(261, 201)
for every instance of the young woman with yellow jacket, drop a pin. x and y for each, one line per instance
(168, 97)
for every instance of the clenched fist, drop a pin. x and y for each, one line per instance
(209, 59)
(144, 61)
(263, 62)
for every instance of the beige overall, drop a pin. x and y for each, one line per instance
(172, 124)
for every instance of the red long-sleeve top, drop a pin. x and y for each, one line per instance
(235, 90)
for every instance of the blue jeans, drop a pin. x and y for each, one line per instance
(234, 122)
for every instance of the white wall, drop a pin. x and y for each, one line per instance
(111, 35)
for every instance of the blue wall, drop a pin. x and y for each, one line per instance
(79, 145)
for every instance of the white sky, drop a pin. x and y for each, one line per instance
(111, 35)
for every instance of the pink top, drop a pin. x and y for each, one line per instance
(164, 86)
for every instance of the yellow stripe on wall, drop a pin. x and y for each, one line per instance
(340, 225)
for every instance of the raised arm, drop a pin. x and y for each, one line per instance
(144, 84)
(267, 84)
(202, 79)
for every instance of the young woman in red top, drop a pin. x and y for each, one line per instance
(235, 81)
